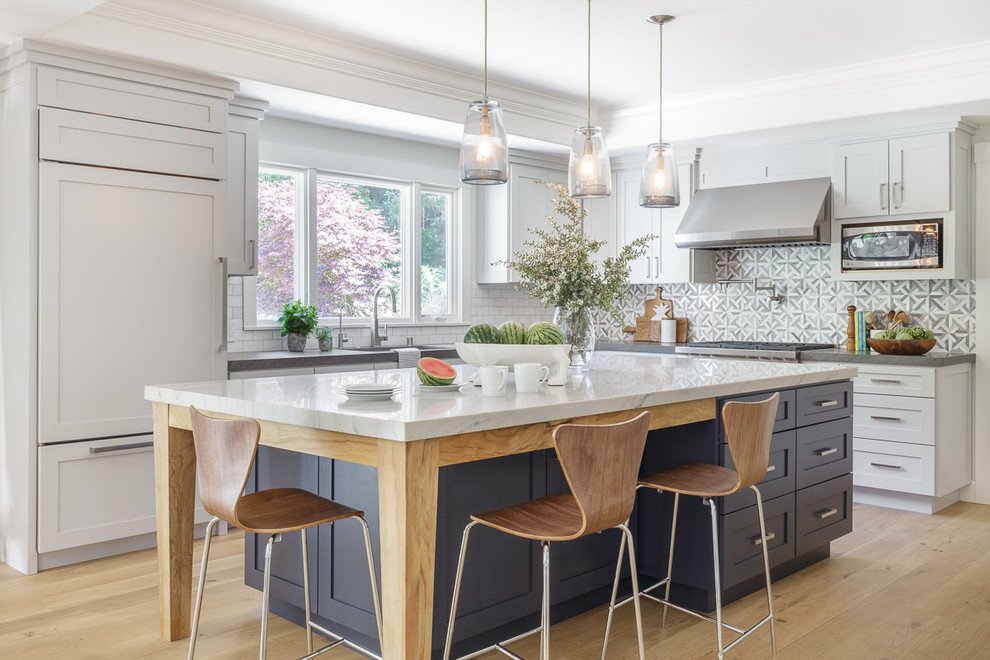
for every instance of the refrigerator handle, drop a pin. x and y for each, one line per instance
(223, 304)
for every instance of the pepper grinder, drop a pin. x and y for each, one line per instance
(851, 329)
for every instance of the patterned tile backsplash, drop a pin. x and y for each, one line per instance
(814, 306)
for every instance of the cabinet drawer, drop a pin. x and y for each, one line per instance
(270, 373)
(785, 410)
(823, 513)
(77, 137)
(891, 379)
(74, 90)
(821, 403)
(896, 466)
(742, 556)
(95, 491)
(780, 473)
(898, 418)
(823, 451)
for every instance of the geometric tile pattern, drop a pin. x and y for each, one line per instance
(814, 306)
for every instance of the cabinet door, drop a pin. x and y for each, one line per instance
(634, 221)
(242, 196)
(860, 180)
(919, 174)
(674, 264)
(530, 204)
(129, 295)
(599, 224)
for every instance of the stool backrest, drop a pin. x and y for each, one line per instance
(748, 430)
(601, 464)
(225, 450)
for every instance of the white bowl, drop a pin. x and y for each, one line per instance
(549, 355)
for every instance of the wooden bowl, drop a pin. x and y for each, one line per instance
(901, 346)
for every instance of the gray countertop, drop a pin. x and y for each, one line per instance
(930, 359)
(247, 361)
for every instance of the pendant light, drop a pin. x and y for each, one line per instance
(658, 187)
(484, 150)
(588, 171)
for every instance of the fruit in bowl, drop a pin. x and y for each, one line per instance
(512, 342)
(907, 341)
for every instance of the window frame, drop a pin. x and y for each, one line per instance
(410, 237)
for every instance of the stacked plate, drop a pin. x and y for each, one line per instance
(369, 391)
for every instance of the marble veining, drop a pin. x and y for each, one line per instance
(616, 381)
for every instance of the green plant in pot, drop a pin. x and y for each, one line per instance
(298, 321)
(324, 335)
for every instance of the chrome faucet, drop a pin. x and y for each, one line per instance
(376, 339)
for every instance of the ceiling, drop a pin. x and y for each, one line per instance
(729, 65)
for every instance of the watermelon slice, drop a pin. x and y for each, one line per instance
(433, 371)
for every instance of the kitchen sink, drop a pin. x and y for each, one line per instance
(386, 349)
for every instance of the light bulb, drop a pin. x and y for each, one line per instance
(587, 166)
(659, 175)
(485, 143)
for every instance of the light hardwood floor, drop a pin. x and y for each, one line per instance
(901, 586)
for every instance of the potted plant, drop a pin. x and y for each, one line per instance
(324, 335)
(298, 321)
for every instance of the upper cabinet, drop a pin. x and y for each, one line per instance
(507, 213)
(740, 165)
(242, 184)
(891, 177)
(664, 262)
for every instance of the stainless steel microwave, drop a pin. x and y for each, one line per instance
(892, 246)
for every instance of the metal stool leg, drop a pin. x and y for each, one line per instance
(626, 534)
(766, 566)
(670, 557)
(718, 581)
(545, 624)
(309, 622)
(615, 591)
(265, 593)
(374, 578)
(457, 589)
(202, 583)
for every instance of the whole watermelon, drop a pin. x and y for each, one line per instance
(543, 332)
(483, 333)
(512, 332)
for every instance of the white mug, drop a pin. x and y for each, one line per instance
(530, 375)
(668, 331)
(493, 380)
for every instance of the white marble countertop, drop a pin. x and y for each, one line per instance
(616, 381)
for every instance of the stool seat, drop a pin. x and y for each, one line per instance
(701, 479)
(281, 510)
(554, 518)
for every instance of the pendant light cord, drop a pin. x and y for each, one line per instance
(660, 86)
(589, 62)
(486, 50)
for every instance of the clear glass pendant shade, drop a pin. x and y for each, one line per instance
(658, 187)
(588, 171)
(484, 150)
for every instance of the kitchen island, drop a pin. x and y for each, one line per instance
(410, 437)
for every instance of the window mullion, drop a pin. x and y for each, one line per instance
(414, 252)
(306, 245)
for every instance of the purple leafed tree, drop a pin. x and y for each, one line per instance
(355, 250)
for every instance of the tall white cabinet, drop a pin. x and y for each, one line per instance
(114, 238)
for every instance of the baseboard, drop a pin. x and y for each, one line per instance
(903, 501)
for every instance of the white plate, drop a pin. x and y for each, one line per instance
(369, 388)
(453, 387)
(382, 396)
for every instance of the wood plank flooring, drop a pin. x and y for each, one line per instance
(902, 586)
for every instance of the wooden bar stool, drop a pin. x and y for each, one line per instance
(225, 450)
(748, 429)
(600, 464)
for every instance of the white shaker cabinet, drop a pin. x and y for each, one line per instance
(242, 185)
(664, 262)
(891, 177)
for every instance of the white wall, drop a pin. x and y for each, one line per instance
(979, 491)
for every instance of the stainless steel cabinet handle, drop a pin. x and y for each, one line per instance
(884, 418)
(893, 194)
(252, 254)
(825, 452)
(892, 381)
(886, 466)
(223, 304)
(883, 196)
(825, 513)
(132, 445)
(656, 263)
(756, 540)
(771, 468)
(647, 268)
(826, 404)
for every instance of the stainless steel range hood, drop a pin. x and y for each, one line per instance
(764, 214)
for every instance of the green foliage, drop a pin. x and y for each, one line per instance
(885, 334)
(297, 317)
(323, 333)
(905, 333)
(558, 268)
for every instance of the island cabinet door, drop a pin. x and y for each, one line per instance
(502, 582)
(278, 468)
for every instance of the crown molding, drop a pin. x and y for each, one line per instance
(345, 58)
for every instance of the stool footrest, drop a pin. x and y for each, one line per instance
(337, 641)
(700, 615)
(500, 646)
